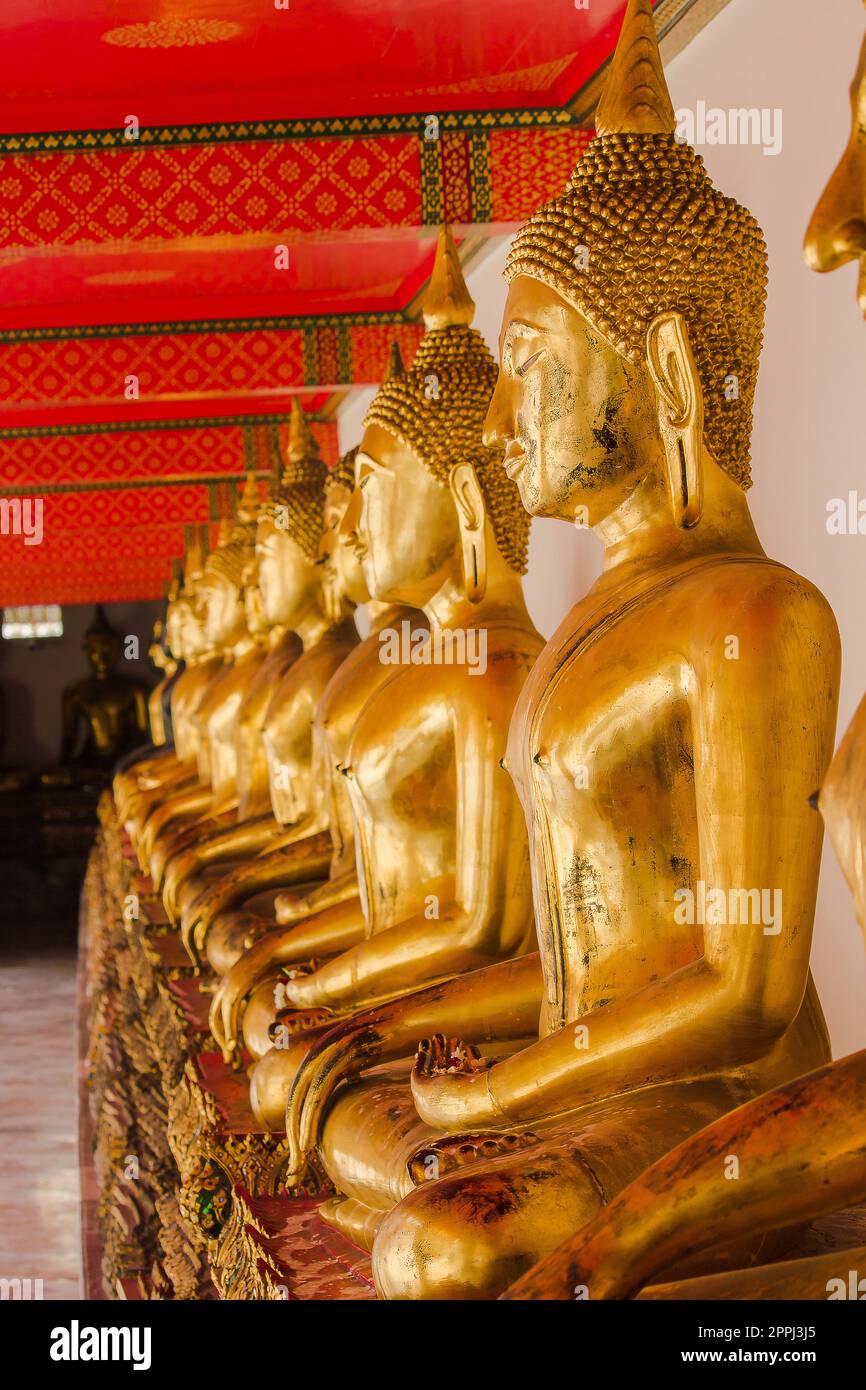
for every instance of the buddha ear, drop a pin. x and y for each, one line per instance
(681, 413)
(471, 516)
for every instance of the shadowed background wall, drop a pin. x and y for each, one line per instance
(33, 677)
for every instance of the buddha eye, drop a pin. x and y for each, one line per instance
(524, 366)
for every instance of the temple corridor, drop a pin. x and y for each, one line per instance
(39, 1194)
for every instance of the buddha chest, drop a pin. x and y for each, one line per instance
(401, 775)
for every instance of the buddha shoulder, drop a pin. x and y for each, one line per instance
(765, 600)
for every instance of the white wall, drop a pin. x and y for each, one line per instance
(811, 412)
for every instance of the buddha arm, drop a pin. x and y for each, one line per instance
(142, 772)
(287, 864)
(292, 907)
(337, 929)
(185, 803)
(407, 957)
(756, 831)
(230, 841)
(144, 799)
(224, 800)
(500, 1003)
(487, 913)
(800, 1155)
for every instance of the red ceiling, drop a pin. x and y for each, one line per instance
(301, 126)
(313, 58)
(59, 286)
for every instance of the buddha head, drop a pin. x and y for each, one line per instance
(291, 576)
(185, 618)
(837, 231)
(344, 574)
(221, 586)
(172, 635)
(434, 504)
(102, 645)
(633, 324)
(257, 623)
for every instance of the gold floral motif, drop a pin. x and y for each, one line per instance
(173, 33)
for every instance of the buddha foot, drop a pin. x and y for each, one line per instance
(455, 1151)
(288, 1022)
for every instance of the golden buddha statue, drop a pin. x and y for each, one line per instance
(212, 803)
(225, 837)
(329, 918)
(441, 842)
(293, 589)
(257, 825)
(139, 786)
(159, 717)
(234, 624)
(674, 854)
(103, 716)
(799, 1147)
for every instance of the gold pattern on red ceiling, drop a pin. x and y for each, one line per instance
(497, 175)
(172, 33)
(152, 258)
(137, 194)
(45, 461)
(52, 371)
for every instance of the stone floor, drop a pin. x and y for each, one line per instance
(39, 1186)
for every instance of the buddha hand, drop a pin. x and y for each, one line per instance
(341, 1054)
(290, 908)
(198, 919)
(179, 869)
(234, 990)
(450, 1085)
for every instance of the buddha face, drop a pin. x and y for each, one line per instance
(223, 609)
(288, 580)
(191, 625)
(341, 556)
(173, 629)
(103, 650)
(837, 232)
(252, 599)
(578, 422)
(407, 533)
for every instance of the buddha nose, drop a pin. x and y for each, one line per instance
(837, 232)
(496, 423)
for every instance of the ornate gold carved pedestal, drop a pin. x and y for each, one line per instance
(190, 1203)
(171, 1125)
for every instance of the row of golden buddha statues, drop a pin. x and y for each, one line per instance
(436, 914)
